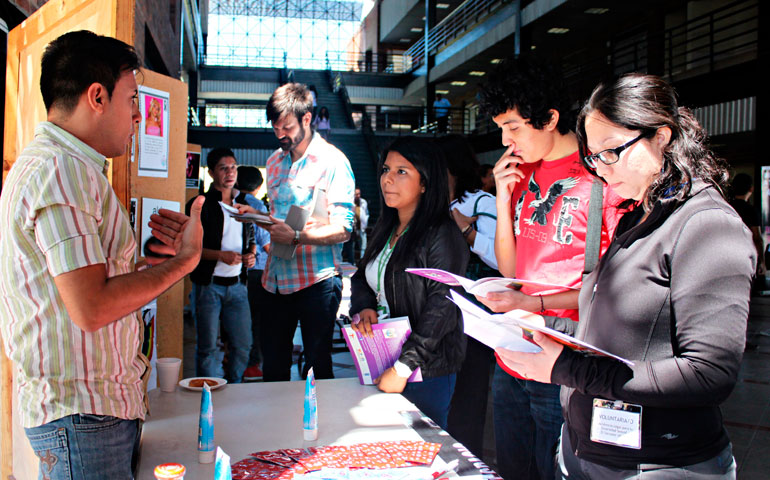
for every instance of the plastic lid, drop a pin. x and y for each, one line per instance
(206, 457)
(169, 471)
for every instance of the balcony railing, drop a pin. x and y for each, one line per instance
(727, 35)
(461, 20)
(378, 119)
(337, 61)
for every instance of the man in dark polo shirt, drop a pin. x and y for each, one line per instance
(219, 280)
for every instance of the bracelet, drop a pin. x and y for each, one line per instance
(467, 231)
(542, 305)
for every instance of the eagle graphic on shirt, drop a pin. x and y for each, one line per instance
(542, 205)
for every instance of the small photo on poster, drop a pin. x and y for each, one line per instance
(153, 120)
(152, 144)
(193, 169)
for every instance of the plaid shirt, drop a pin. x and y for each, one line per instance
(322, 166)
(58, 213)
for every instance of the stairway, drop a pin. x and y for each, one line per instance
(324, 96)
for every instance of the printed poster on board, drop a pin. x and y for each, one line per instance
(153, 133)
(150, 206)
(193, 169)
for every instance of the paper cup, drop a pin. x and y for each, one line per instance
(168, 373)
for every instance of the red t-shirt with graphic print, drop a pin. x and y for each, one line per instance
(549, 208)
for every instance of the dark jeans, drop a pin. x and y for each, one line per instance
(468, 411)
(570, 467)
(87, 447)
(528, 422)
(432, 396)
(256, 305)
(316, 309)
(228, 306)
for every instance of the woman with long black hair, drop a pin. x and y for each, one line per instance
(414, 230)
(671, 294)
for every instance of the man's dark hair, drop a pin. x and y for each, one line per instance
(249, 178)
(531, 87)
(290, 98)
(74, 61)
(214, 156)
(741, 185)
(484, 169)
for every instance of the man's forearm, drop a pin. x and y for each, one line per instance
(94, 301)
(324, 235)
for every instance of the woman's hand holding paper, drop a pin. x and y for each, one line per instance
(533, 366)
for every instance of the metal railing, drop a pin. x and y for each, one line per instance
(336, 61)
(369, 119)
(727, 35)
(461, 20)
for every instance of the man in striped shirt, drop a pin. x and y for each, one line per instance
(306, 287)
(69, 294)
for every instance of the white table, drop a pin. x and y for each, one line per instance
(267, 416)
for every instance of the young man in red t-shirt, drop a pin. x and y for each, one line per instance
(543, 194)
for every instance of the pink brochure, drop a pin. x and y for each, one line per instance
(374, 355)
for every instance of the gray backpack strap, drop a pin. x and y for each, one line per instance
(594, 227)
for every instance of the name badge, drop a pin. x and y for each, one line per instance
(617, 423)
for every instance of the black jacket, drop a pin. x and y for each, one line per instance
(437, 341)
(672, 295)
(213, 220)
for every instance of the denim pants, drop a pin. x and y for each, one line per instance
(570, 467)
(230, 305)
(316, 309)
(528, 421)
(86, 447)
(432, 396)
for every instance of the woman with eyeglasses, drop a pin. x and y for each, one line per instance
(671, 294)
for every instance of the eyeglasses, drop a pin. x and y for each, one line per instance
(611, 155)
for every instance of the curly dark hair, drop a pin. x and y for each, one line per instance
(645, 103)
(530, 86)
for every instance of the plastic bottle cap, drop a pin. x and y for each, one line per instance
(206, 457)
(169, 471)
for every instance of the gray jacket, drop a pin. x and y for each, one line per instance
(671, 295)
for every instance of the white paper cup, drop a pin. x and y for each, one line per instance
(168, 373)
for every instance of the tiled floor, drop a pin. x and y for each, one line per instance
(746, 412)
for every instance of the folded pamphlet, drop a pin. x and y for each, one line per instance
(487, 285)
(258, 218)
(374, 355)
(513, 331)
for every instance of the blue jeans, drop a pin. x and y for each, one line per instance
(86, 447)
(432, 396)
(316, 309)
(231, 306)
(528, 421)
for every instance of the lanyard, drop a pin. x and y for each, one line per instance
(383, 262)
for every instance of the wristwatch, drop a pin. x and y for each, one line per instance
(296, 238)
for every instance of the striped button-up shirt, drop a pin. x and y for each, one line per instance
(58, 213)
(322, 166)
